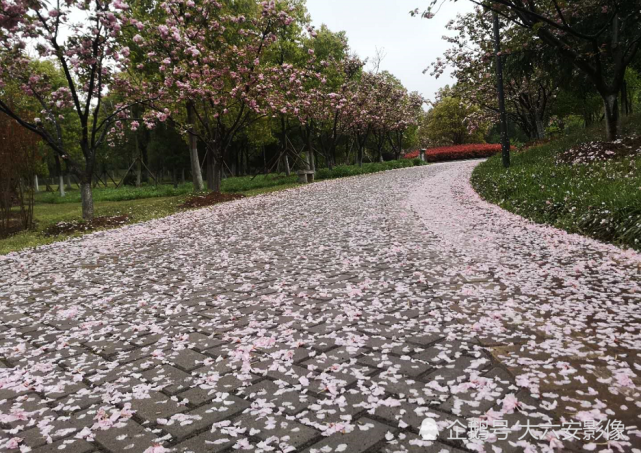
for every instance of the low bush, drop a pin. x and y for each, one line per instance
(150, 202)
(238, 184)
(553, 183)
(123, 193)
(342, 171)
(457, 152)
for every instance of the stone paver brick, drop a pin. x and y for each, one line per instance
(411, 443)
(170, 379)
(67, 446)
(186, 359)
(366, 434)
(289, 398)
(156, 406)
(131, 437)
(334, 316)
(290, 433)
(390, 364)
(203, 417)
(206, 442)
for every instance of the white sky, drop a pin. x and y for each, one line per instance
(410, 43)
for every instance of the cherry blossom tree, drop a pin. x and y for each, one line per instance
(361, 112)
(600, 38)
(299, 93)
(80, 38)
(393, 111)
(291, 55)
(318, 99)
(209, 57)
(403, 115)
(331, 113)
(531, 80)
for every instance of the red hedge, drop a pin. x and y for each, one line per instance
(446, 153)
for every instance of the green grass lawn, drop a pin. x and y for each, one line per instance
(151, 202)
(601, 200)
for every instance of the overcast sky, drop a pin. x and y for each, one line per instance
(410, 43)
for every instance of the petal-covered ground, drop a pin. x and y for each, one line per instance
(332, 318)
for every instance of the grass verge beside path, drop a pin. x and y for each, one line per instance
(151, 202)
(241, 184)
(600, 199)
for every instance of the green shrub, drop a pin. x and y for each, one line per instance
(229, 185)
(342, 171)
(123, 193)
(601, 200)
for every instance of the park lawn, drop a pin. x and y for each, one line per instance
(240, 184)
(230, 185)
(151, 202)
(600, 199)
(49, 214)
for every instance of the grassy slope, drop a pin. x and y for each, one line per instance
(150, 202)
(601, 200)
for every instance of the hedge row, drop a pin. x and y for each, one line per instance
(446, 153)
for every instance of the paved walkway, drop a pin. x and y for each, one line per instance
(335, 317)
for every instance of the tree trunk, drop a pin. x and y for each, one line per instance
(36, 186)
(68, 180)
(624, 98)
(348, 148)
(61, 185)
(312, 160)
(359, 156)
(138, 163)
(612, 118)
(307, 133)
(217, 172)
(210, 171)
(196, 175)
(147, 175)
(333, 155)
(283, 128)
(308, 164)
(182, 176)
(264, 161)
(86, 197)
(540, 128)
(138, 173)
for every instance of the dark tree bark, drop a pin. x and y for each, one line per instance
(196, 175)
(603, 55)
(211, 178)
(61, 185)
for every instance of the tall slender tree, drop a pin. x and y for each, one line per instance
(80, 37)
(599, 37)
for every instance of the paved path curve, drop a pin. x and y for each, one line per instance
(334, 317)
